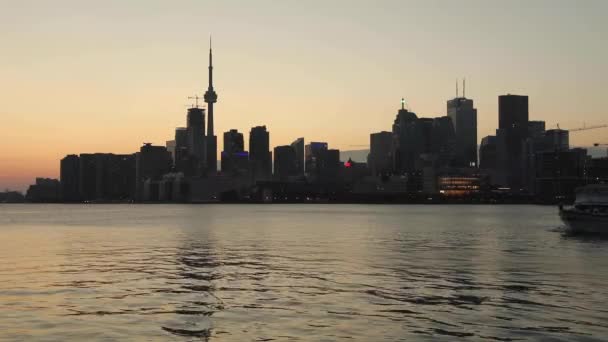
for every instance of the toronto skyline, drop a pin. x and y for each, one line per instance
(108, 76)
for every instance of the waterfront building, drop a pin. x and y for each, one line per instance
(285, 163)
(196, 137)
(46, 190)
(260, 156)
(298, 146)
(381, 153)
(464, 120)
(69, 178)
(511, 134)
(152, 162)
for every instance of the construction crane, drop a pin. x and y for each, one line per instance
(584, 128)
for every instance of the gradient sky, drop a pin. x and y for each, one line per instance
(105, 76)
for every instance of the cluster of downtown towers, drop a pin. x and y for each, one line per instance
(419, 155)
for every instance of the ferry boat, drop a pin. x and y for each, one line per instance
(589, 214)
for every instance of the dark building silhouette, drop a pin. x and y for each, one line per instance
(314, 154)
(511, 134)
(181, 158)
(88, 177)
(235, 160)
(559, 172)
(196, 137)
(536, 129)
(69, 178)
(11, 197)
(464, 120)
(211, 99)
(408, 140)
(298, 146)
(487, 157)
(381, 153)
(46, 190)
(152, 162)
(105, 177)
(260, 156)
(285, 163)
(443, 142)
(322, 164)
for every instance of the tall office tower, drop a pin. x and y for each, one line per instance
(180, 156)
(314, 155)
(464, 119)
(381, 153)
(87, 177)
(196, 137)
(444, 142)
(408, 140)
(330, 171)
(151, 163)
(487, 153)
(260, 156)
(298, 146)
(233, 141)
(536, 129)
(69, 170)
(211, 99)
(285, 162)
(511, 135)
(234, 155)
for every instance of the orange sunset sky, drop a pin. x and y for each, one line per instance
(105, 76)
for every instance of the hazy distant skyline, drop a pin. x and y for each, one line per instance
(106, 76)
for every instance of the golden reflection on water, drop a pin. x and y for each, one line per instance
(249, 272)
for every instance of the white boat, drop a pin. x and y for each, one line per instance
(589, 214)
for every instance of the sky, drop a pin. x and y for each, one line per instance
(82, 76)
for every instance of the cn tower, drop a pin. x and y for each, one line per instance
(210, 99)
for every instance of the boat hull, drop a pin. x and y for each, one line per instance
(584, 222)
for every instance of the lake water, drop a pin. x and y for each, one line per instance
(298, 273)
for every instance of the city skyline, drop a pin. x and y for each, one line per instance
(275, 87)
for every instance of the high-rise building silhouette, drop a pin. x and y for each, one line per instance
(408, 140)
(464, 119)
(152, 162)
(235, 160)
(511, 135)
(211, 99)
(196, 137)
(298, 146)
(381, 153)
(260, 156)
(285, 163)
(322, 164)
(69, 178)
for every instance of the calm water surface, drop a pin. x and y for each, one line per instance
(297, 273)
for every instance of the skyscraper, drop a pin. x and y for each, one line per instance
(210, 99)
(511, 135)
(298, 146)
(196, 137)
(285, 164)
(151, 163)
(464, 120)
(381, 153)
(408, 140)
(259, 153)
(234, 157)
(69, 170)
